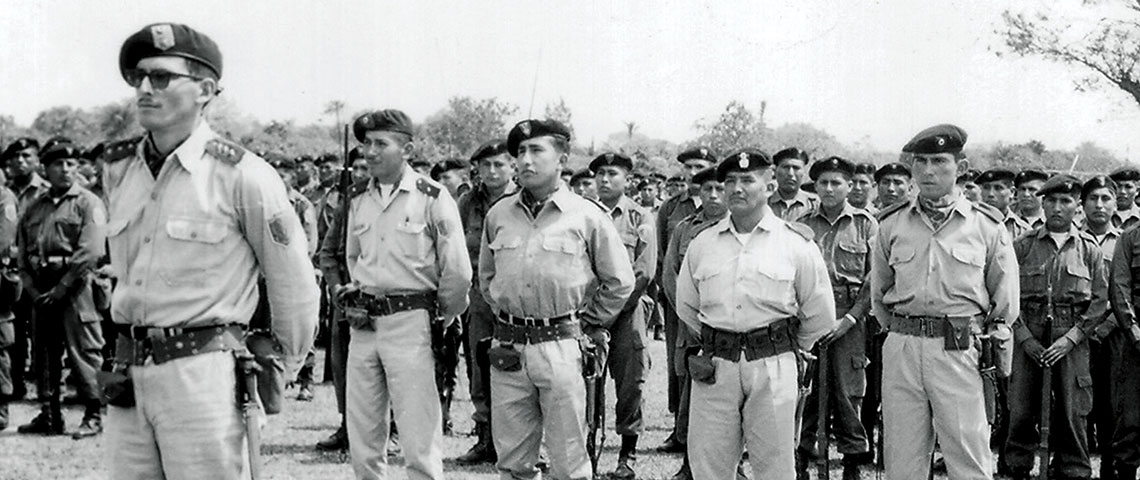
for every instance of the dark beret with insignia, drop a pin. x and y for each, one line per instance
(353, 154)
(995, 175)
(831, 164)
(1030, 175)
(280, 162)
(448, 165)
(681, 179)
(1063, 183)
(706, 175)
(581, 175)
(170, 39)
(697, 153)
(865, 168)
(418, 162)
(611, 160)
(943, 138)
(790, 154)
(528, 129)
(747, 160)
(893, 168)
(321, 160)
(1096, 183)
(60, 151)
(1123, 174)
(490, 149)
(56, 140)
(20, 145)
(971, 175)
(660, 177)
(94, 152)
(390, 120)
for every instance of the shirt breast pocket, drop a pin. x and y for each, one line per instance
(966, 270)
(67, 230)
(1079, 280)
(772, 283)
(851, 258)
(194, 248)
(1033, 280)
(413, 240)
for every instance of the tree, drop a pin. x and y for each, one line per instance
(805, 136)
(1109, 51)
(464, 124)
(334, 108)
(560, 112)
(116, 121)
(64, 121)
(736, 127)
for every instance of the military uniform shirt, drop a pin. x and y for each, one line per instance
(308, 216)
(741, 281)
(29, 193)
(635, 226)
(679, 242)
(473, 207)
(1125, 219)
(9, 217)
(72, 226)
(188, 246)
(672, 211)
(845, 244)
(791, 211)
(569, 258)
(1015, 225)
(1034, 222)
(1075, 273)
(1107, 244)
(410, 243)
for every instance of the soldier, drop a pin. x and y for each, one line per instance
(893, 182)
(648, 196)
(193, 221)
(998, 191)
(1064, 289)
(791, 202)
(22, 158)
(1027, 183)
(553, 268)
(628, 358)
(942, 268)
(9, 291)
(1127, 184)
(863, 188)
(745, 382)
(674, 186)
(60, 239)
(400, 288)
(453, 173)
(1124, 291)
(583, 184)
(307, 177)
(496, 180)
(844, 235)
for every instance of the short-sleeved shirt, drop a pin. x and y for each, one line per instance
(308, 215)
(791, 210)
(846, 245)
(1073, 273)
(679, 242)
(473, 207)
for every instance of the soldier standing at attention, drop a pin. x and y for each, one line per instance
(9, 290)
(22, 157)
(893, 182)
(554, 269)
(1027, 183)
(844, 235)
(863, 188)
(1063, 278)
(1124, 293)
(941, 269)
(628, 358)
(743, 304)
(1127, 180)
(193, 221)
(998, 191)
(791, 202)
(409, 266)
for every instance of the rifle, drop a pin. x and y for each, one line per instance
(250, 408)
(596, 404)
(824, 471)
(805, 364)
(1046, 396)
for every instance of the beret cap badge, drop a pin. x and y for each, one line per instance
(743, 160)
(163, 36)
(704, 152)
(525, 127)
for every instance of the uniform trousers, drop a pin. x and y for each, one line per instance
(1100, 418)
(751, 404)
(928, 391)
(543, 402)
(685, 341)
(1125, 400)
(60, 329)
(847, 383)
(480, 324)
(186, 424)
(672, 327)
(339, 334)
(629, 360)
(391, 367)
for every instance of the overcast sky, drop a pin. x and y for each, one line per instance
(874, 70)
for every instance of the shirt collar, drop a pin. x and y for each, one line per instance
(1112, 231)
(848, 210)
(407, 181)
(1071, 232)
(191, 151)
(769, 222)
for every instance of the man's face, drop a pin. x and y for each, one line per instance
(23, 163)
(1125, 194)
(712, 198)
(305, 172)
(359, 169)
(1099, 206)
(748, 191)
(861, 187)
(1027, 198)
(88, 171)
(288, 177)
(1059, 209)
(972, 191)
(648, 194)
(692, 166)
(790, 174)
(586, 188)
(386, 153)
(935, 174)
(328, 171)
(673, 189)
(832, 188)
(539, 163)
(998, 194)
(453, 179)
(177, 104)
(495, 172)
(61, 172)
(611, 182)
(894, 189)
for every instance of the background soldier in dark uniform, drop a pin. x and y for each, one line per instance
(22, 158)
(998, 192)
(863, 188)
(893, 185)
(790, 201)
(1124, 293)
(1027, 183)
(1127, 180)
(9, 290)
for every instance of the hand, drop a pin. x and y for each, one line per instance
(342, 291)
(844, 325)
(599, 336)
(51, 296)
(1057, 351)
(1034, 349)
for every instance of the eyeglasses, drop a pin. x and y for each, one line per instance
(159, 79)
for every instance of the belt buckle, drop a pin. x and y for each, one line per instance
(530, 322)
(930, 327)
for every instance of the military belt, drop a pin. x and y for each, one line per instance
(137, 345)
(923, 325)
(767, 341)
(510, 333)
(537, 322)
(49, 261)
(845, 295)
(379, 306)
(1065, 315)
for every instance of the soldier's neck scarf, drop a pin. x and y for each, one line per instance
(937, 210)
(154, 160)
(532, 204)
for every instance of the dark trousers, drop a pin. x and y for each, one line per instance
(628, 363)
(19, 352)
(479, 325)
(873, 398)
(338, 354)
(1101, 418)
(845, 370)
(1125, 400)
(672, 324)
(59, 330)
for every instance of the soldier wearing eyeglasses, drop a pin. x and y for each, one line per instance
(194, 220)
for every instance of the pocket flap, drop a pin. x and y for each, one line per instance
(411, 227)
(195, 230)
(558, 244)
(1078, 270)
(852, 247)
(969, 255)
(901, 254)
(780, 272)
(115, 227)
(508, 242)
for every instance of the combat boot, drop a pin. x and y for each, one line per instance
(627, 458)
(44, 424)
(3, 416)
(91, 426)
(484, 449)
(445, 409)
(338, 441)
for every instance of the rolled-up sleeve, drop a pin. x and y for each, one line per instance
(453, 261)
(613, 271)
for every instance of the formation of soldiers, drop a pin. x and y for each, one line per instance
(887, 309)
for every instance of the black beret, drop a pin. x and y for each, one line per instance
(389, 120)
(1030, 175)
(284, 163)
(56, 140)
(706, 175)
(528, 129)
(1063, 183)
(995, 175)
(1125, 174)
(419, 162)
(679, 178)
(581, 175)
(322, 159)
(567, 172)
(971, 175)
(865, 168)
(170, 39)
(893, 168)
(808, 187)
(60, 151)
(746, 160)
(20, 145)
(937, 139)
(490, 149)
(447, 166)
(611, 160)
(94, 152)
(657, 176)
(1095, 183)
(832, 164)
(790, 153)
(353, 154)
(697, 153)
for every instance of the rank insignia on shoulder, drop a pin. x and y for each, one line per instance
(427, 188)
(120, 150)
(225, 150)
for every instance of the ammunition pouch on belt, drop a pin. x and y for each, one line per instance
(1065, 315)
(360, 307)
(117, 387)
(956, 332)
(762, 342)
(137, 345)
(845, 296)
(523, 330)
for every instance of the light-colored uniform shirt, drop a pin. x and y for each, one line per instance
(1125, 219)
(29, 193)
(9, 216)
(188, 246)
(409, 241)
(791, 210)
(1107, 244)
(741, 281)
(569, 258)
(1015, 225)
(845, 245)
(308, 216)
(1073, 273)
(672, 211)
(966, 267)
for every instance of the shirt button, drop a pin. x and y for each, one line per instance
(146, 239)
(738, 307)
(154, 196)
(138, 282)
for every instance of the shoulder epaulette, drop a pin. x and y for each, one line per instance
(225, 150)
(120, 150)
(504, 196)
(886, 212)
(804, 230)
(859, 212)
(425, 186)
(357, 188)
(990, 211)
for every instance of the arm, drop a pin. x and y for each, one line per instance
(487, 262)
(1021, 333)
(309, 221)
(8, 221)
(1001, 277)
(814, 296)
(330, 257)
(92, 242)
(1098, 299)
(451, 257)
(688, 297)
(670, 267)
(1120, 282)
(612, 269)
(644, 263)
(862, 304)
(882, 277)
